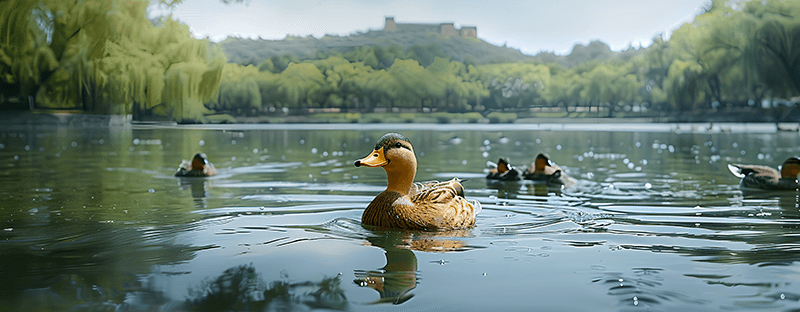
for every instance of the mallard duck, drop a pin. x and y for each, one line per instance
(199, 167)
(504, 171)
(766, 178)
(542, 169)
(413, 206)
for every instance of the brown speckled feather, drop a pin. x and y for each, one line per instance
(430, 206)
(762, 177)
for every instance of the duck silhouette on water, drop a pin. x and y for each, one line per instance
(541, 170)
(199, 167)
(758, 177)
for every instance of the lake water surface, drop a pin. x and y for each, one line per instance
(91, 218)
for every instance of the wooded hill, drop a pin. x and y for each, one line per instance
(416, 44)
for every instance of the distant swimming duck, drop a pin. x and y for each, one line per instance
(766, 178)
(414, 206)
(504, 171)
(199, 167)
(542, 169)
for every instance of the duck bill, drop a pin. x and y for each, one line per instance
(375, 159)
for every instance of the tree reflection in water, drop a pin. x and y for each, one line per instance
(399, 276)
(242, 289)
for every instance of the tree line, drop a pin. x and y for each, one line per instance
(107, 56)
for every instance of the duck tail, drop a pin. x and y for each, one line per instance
(736, 171)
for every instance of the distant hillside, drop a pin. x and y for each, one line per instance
(248, 51)
(420, 42)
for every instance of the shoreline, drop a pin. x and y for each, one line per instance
(79, 119)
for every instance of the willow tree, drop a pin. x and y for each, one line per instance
(105, 56)
(47, 48)
(162, 70)
(776, 42)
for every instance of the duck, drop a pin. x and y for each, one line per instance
(427, 206)
(198, 167)
(504, 171)
(757, 177)
(544, 170)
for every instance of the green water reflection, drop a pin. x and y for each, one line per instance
(93, 219)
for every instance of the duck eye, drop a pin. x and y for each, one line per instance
(398, 145)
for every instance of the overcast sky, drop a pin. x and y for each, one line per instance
(531, 26)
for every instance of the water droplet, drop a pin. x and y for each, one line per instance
(742, 152)
(580, 157)
(464, 162)
(304, 141)
(626, 161)
(2, 146)
(41, 149)
(151, 191)
(648, 186)
(74, 144)
(538, 141)
(485, 154)
(255, 151)
(630, 165)
(101, 141)
(503, 140)
(136, 141)
(589, 175)
(517, 143)
(735, 145)
(27, 147)
(671, 149)
(486, 142)
(233, 158)
(310, 176)
(558, 147)
(638, 144)
(131, 149)
(760, 156)
(782, 295)
(314, 150)
(233, 142)
(325, 154)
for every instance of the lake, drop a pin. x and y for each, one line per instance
(93, 219)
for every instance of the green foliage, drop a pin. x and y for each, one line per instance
(107, 56)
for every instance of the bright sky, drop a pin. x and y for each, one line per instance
(531, 26)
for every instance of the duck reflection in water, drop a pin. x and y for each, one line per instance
(398, 277)
(199, 187)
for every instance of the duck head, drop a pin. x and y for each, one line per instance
(395, 155)
(503, 166)
(541, 162)
(199, 161)
(790, 168)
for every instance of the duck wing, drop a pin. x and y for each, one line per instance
(755, 177)
(443, 204)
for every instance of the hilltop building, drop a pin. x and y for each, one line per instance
(444, 29)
